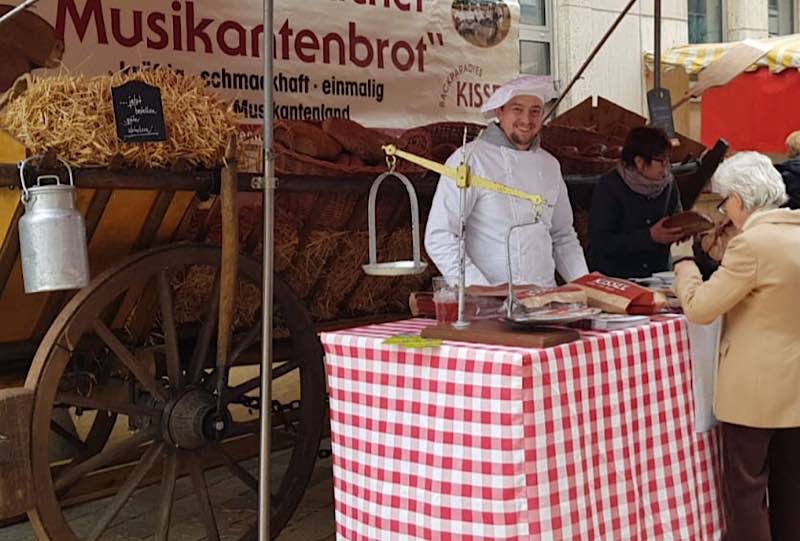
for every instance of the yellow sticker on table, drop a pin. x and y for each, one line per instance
(412, 341)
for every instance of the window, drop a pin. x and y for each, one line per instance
(705, 21)
(532, 12)
(534, 57)
(781, 17)
(535, 37)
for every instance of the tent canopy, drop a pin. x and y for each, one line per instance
(784, 52)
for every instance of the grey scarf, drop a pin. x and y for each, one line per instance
(638, 183)
(494, 135)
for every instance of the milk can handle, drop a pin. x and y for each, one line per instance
(21, 166)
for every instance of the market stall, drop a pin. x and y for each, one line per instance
(766, 90)
(594, 439)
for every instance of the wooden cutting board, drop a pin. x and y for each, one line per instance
(504, 334)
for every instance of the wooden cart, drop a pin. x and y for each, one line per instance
(120, 385)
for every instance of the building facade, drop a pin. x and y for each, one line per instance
(557, 36)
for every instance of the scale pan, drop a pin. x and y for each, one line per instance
(395, 268)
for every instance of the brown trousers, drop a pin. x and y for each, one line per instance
(761, 483)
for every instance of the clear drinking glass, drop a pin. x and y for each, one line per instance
(445, 298)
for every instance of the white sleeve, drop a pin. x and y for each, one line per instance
(442, 229)
(567, 251)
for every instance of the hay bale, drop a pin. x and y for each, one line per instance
(343, 273)
(285, 234)
(377, 294)
(73, 116)
(311, 259)
(192, 288)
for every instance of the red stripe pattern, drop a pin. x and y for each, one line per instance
(591, 440)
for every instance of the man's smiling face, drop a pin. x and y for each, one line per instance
(521, 120)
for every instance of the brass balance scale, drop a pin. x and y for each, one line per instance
(464, 178)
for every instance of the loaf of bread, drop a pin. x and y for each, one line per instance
(690, 222)
(306, 138)
(356, 139)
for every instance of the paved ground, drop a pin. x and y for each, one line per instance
(235, 509)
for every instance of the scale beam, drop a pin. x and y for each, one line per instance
(463, 176)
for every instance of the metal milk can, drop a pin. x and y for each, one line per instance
(52, 235)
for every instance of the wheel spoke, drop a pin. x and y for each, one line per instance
(125, 408)
(100, 460)
(237, 469)
(203, 498)
(170, 330)
(235, 393)
(247, 340)
(127, 358)
(200, 353)
(133, 480)
(73, 440)
(284, 368)
(168, 478)
(244, 427)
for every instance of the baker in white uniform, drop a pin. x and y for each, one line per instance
(508, 152)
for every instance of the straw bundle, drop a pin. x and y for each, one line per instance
(73, 116)
(192, 288)
(311, 259)
(376, 293)
(345, 272)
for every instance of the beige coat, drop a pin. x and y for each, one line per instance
(757, 288)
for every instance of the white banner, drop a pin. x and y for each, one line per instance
(384, 63)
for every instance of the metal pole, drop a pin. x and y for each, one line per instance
(266, 289)
(462, 257)
(591, 57)
(22, 6)
(657, 59)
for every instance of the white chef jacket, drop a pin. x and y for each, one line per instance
(536, 251)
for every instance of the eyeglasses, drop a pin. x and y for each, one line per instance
(721, 205)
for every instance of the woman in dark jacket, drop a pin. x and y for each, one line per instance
(790, 170)
(627, 236)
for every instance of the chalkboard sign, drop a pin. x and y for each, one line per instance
(659, 104)
(138, 113)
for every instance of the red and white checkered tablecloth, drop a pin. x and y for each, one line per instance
(590, 440)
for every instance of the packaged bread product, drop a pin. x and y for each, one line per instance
(543, 297)
(306, 138)
(618, 296)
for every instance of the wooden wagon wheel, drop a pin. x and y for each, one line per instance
(163, 393)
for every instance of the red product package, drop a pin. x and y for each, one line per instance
(618, 296)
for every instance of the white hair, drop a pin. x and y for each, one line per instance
(751, 176)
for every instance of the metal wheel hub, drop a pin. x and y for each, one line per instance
(191, 421)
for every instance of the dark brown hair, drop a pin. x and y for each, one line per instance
(646, 142)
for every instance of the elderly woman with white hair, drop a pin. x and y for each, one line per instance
(757, 398)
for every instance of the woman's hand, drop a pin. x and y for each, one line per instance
(683, 266)
(665, 235)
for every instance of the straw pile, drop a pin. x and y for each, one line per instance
(73, 116)
(191, 290)
(345, 273)
(311, 260)
(374, 294)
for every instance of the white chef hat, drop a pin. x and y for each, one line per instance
(540, 86)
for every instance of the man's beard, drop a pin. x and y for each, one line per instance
(517, 140)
